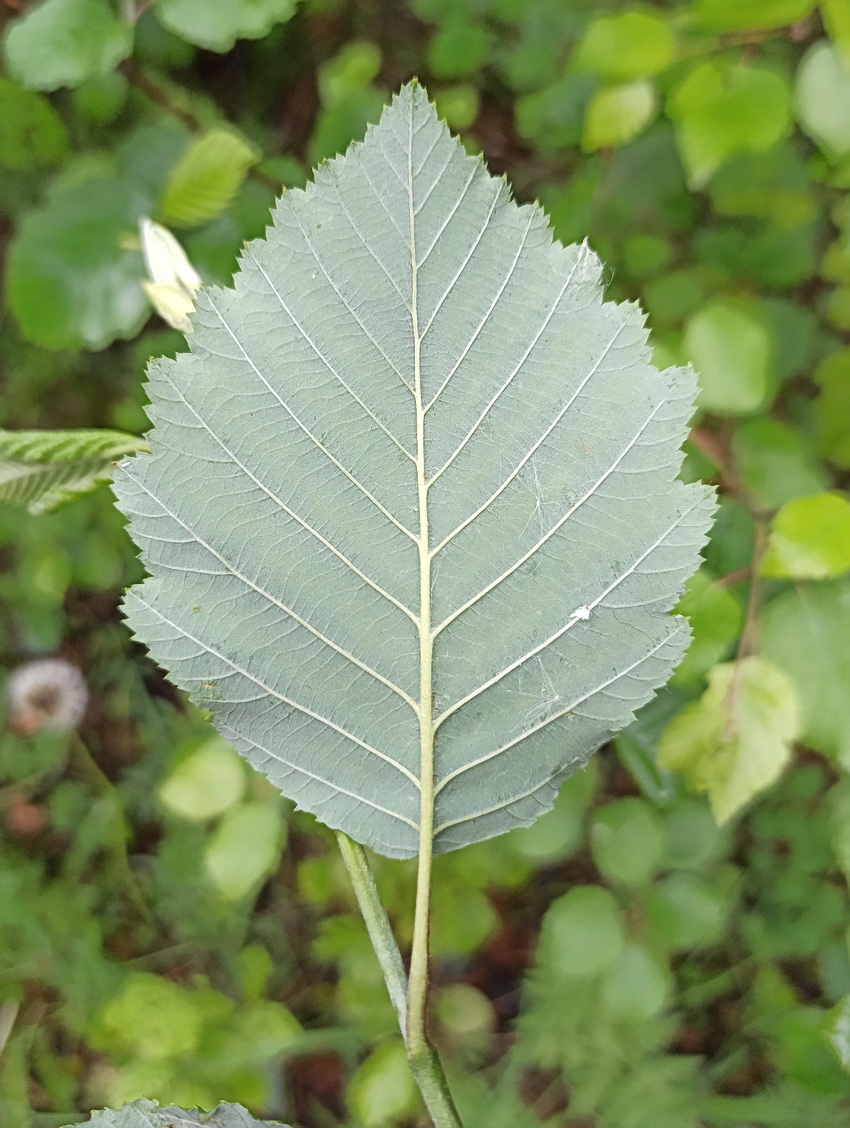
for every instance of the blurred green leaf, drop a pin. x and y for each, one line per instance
(730, 349)
(206, 782)
(735, 741)
(70, 281)
(722, 110)
(150, 1017)
(774, 462)
(822, 97)
(458, 49)
(206, 178)
(102, 98)
(804, 632)
(382, 1092)
(626, 46)
(32, 134)
(351, 69)
(809, 539)
(715, 617)
(217, 26)
(64, 42)
(747, 15)
(627, 840)
(838, 1031)
(636, 986)
(582, 932)
(245, 847)
(41, 470)
(836, 19)
(617, 114)
(832, 407)
(457, 105)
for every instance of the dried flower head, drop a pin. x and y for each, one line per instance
(47, 694)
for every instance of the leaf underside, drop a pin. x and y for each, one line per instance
(413, 493)
(148, 1114)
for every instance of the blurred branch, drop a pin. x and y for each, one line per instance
(162, 98)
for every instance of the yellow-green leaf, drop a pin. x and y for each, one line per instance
(810, 539)
(206, 178)
(734, 742)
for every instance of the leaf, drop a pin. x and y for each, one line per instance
(206, 178)
(715, 618)
(205, 783)
(41, 470)
(730, 349)
(382, 1091)
(836, 20)
(809, 539)
(148, 1114)
(617, 114)
(244, 848)
(407, 334)
(805, 632)
(774, 462)
(70, 282)
(218, 26)
(721, 111)
(747, 15)
(582, 932)
(64, 42)
(832, 407)
(627, 839)
(31, 132)
(735, 741)
(626, 46)
(822, 97)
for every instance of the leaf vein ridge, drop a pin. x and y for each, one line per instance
(207, 649)
(571, 622)
(321, 779)
(506, 384)
(317, 443)
(290, 512)
(275, 602)
(536, 728)
(558, 524)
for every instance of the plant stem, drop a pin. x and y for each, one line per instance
(377, 924)
(425, 1064)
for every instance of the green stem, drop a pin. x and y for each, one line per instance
(425, 1064)
(377, 924)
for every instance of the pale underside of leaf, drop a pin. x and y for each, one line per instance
(149, 1114)
(406, 333)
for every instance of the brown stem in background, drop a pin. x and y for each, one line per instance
(161, 97)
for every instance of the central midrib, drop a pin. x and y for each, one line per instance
(417, 997)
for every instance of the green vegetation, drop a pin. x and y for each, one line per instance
(666, 948)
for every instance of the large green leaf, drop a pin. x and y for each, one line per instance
(41, 470)
(217, 26)
(148, 1114)
(71, 280)
(64, 42)
(412, 494)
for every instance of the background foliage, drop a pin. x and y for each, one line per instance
(168, 926)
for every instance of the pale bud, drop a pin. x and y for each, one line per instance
(173, 281)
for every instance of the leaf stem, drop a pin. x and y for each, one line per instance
(377, 924)
(425, 1064)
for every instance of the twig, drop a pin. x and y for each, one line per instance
(424, 1061)
(161, 97)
